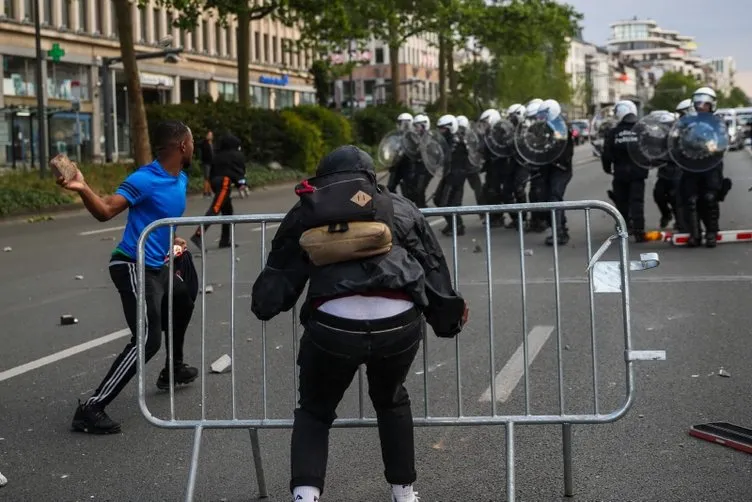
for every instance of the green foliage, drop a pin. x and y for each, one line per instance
(305, 142)
(736, 98)
(458, 105)
(374, 122)
(671, 89)
(335, 128)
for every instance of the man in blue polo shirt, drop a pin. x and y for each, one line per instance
(153, 192)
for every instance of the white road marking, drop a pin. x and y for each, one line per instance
(511, 374)
(436, 222)
(102, 230)
(270, 226)
(57, 356)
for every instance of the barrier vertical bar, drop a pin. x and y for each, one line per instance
(263, 326)
(509, 433)
(456, 266)
(523, 289)
(557, 295)
(193, 472)
(591, 295)
(492, 355)
(170, 326)
(566, 439)
(258, 463)
(232, 319)
(203, 329)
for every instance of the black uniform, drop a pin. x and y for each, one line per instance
(452, 186)
(492, 188)
(228, 169)
(419, 182)
(666, 196)
(514, 185)
(399, 176)
(629, 179)
(333, 347)
(701, 194)
(555, 178)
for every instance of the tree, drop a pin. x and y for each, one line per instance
(671, 89)
(139, 128)
(329, 25)
(736, 98)
(243, 10)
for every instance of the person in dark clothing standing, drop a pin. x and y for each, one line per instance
(420, 178)
(514, 187)
(452, 185)
(401, 172)
(494, 167)
(664, 191)
(207, 156)
(359, 311)
(473, 172)
(628, 185)
(228, 170)
(155, 191)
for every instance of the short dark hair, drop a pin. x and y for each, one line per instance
(169, 133)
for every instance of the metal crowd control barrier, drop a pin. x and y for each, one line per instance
(603, 276)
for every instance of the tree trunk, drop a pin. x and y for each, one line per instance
(244, 49)
(139, 128)
(442, 74)
(394, 47)
(450, 68)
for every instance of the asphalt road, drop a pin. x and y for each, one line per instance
(695, 306)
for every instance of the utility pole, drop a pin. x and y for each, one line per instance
(41, 88)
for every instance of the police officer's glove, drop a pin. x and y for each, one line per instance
(607, 169)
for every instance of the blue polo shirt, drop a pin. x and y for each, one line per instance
(152, 194)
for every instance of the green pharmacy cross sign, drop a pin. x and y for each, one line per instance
(56, 52)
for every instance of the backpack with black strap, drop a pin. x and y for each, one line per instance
(345, 215)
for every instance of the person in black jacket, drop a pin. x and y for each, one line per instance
(207, 157)
(401, 172)
(228, 169)
(366, 311)
(628, 185)
(451, 188)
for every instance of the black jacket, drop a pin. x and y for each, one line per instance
(415, 265)
(229, 160)
(207, 152)
(615, 157)
(564, 162)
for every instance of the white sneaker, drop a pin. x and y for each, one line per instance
(414, 499)
(3, 480)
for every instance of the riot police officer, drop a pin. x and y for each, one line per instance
(400, 173)
(628, 185)
(538, 219)
(494, 167)
(421, 177)
(664, 191)
(516, 174)
(451, 186)
(473, 174)
(702, 191)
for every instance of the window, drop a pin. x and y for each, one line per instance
(83, 15)
(380, 55)
(60, 77)
(266, 47)
(157, 25)
(228, 38)
(18, 76)
(275, 58)
(142, 30)
(307, 98)
(218, 38)
(65, 14)
(228, 91)
(29, 10)
(9, 12)
(256, 46)
(205, 46)
(47, 12)
(261, 97)
(285, 99)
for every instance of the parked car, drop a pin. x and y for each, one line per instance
(584, 128)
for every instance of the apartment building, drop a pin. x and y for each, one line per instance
(725, 72)
(85, 31)
(370, 82)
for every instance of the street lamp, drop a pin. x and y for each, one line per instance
(169, 56)
(41, 89)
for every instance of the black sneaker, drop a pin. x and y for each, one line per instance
(93, 420)
(711, 239)
(184, 375)
(562, 240)
(196, 240)
(664, 222)
(224, 245)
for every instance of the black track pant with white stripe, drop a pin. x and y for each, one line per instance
(124, 277)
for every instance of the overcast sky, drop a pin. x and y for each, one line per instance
(720, 27)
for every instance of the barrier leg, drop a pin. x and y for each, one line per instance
(257, 462)
(566, 436)
(510, 461)
(194, 464)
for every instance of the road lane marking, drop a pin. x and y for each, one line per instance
(511, 374)
(270, 226)
(57, 356)
(101, 231)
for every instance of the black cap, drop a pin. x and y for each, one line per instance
(346, 158)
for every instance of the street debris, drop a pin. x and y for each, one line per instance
(37, 219)
(476, 247)
(209, 290)
(67, 320)
(7, 249)
(528, 252)
(221, 365)
(723, 373)
(79, 277)
(3, 480)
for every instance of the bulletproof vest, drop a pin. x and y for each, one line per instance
(621, 137)
(459, 154)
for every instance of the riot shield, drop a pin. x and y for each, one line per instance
(433, 150)
(541, 140)
(499, 139)
(698, 142)
(651, 148)
(411, 144)
(474, 149)
(602, 122)
(390, 149)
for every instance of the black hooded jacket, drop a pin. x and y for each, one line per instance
(229, 160)
(616, 153)
(414, 266)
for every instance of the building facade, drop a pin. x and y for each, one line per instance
(371, 80)
(86, 31)
(725, 72)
